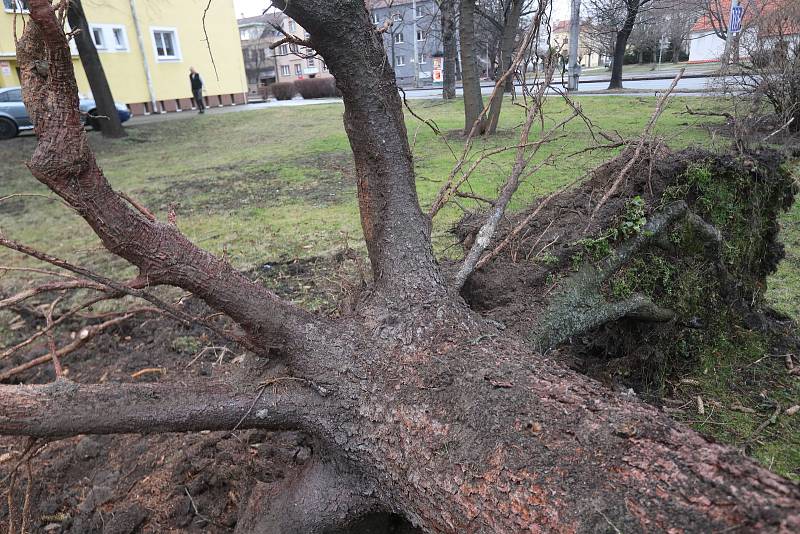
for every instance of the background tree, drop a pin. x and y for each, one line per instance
(416, 404)
(447, 10)
(107, 120)
(470, 75)
(619, 17)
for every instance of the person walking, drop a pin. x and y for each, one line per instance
(197, 89)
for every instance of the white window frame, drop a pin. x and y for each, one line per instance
(376, 19)
(310, 63)
(298, 69)
(283, 50)
(292, 25)
(400, 61)
(286, 70)
(421, 59)
(398, 38)
(108, 42)
(18, 4)
(98, 31)
(420, 36)
(420, 13)
(175, 43)
(124, 46)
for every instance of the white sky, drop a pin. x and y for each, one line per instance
(249, 8)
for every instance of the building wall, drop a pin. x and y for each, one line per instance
(427, 22)
(125, 68)
(290, 60)
(705, 47)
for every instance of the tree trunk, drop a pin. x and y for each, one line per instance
(107, 119)
(621, 43)
(416, 404)
(470, 78)
(450, 48)
(509, 38)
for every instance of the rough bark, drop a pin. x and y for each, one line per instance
(470, 77)
(508, 40)
(107, 120)
(417, 406)
(447, 8)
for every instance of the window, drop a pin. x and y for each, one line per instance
(298, 69)
(420, 35)
(376, 18)
(97, 38)
(284, 50)
(166, 44)
(398, 38)
(285, 70)
(421, 59)
(292, 25)
(120, 40)
(419, 12)
(14, 95)
(310, 63)
(20, 6)
(400, 60)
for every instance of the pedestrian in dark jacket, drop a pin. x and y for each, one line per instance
(197, 89)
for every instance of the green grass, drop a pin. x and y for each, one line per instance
(272, 185)
(277, 184)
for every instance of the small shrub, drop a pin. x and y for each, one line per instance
(317, 88)
(283, 90)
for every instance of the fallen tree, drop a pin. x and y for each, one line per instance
(416, 404)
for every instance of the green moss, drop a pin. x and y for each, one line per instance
(186, 344)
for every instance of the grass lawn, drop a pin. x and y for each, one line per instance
(278, 184)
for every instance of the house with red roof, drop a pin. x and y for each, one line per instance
(707, 38)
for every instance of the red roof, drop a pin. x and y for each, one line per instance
(722, 8)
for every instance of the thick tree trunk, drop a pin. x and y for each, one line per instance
(621, 43)
(509, 38)
(470, 78)
(416, 404)
(107, 119)
(450, 48)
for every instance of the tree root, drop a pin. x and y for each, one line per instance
(579, 304)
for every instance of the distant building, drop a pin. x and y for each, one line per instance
(409, 28)
(295, 62)
(559, 33)
(146, 48)
(758, 25)
(257, 34)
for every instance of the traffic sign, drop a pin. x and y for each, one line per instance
(735, 25)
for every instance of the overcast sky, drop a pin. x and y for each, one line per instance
(249, 8)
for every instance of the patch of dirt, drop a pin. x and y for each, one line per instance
(329, 179)
(169, 483)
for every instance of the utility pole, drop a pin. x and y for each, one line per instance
(414, 38)
(574, 35)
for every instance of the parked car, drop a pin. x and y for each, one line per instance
(14, 117)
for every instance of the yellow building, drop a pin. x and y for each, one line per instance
(147, 47)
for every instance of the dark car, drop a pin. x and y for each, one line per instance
(14, 117)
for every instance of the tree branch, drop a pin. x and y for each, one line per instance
(64, 162)
(64, 408)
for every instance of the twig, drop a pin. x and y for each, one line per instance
(149, 370)
(208, 41)
(138, 205)
(770, 421)
(648, 129)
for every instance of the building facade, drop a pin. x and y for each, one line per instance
(295, 62)
(559, 33)
(412, 40)
(257, 34)
(147, 47)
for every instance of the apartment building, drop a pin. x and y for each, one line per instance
(257, 34)
(147, 47)
(414, 38)
(559, 34)
(295, 62)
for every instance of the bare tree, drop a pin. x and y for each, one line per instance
(416, 406)
(470, 77)
(447, 10)
(107, 118)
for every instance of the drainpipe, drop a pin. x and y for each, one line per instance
(150, 90)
